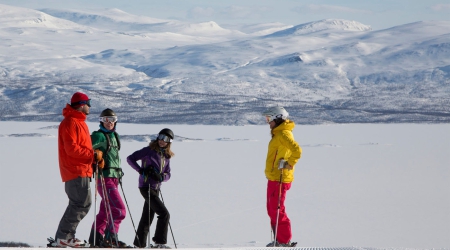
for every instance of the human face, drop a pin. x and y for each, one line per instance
(164, 138)
(108, 121)
(270, 122)
(88, 102)
(109, 125)
(162, 144)
(85, 109)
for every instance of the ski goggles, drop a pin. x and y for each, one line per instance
(164, 137)
(88, 103)
(269, 118)
(111, 119)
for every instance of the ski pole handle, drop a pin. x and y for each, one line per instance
(281, 163)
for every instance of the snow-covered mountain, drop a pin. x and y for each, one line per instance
(168, 71)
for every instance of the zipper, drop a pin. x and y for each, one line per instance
(276, 153)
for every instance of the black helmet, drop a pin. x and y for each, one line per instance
(107, 112)
(167, 132)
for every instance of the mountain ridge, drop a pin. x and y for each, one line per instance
(192, 74)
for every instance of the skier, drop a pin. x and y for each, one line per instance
(154, 169)
(283, 153)
(107, 140)
(76, 156)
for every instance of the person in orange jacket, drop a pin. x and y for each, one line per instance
(76, 157)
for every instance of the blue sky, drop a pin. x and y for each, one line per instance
(379, 14)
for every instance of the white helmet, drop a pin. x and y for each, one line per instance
(275, 112)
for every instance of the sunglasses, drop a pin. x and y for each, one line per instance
(164, 138)
(88, 102)
(111, 119)
(268, 119)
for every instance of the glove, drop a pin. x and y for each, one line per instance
(144, 171)
(156, 176)
(98, 155)
(101, 164)
(287, 166)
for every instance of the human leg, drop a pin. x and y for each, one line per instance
(162, 224)
(284, 233)
(144, 226)
(116, 203)
(118, 212)
(79, 193)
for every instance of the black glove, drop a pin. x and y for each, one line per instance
(156, 176)
(144, 171)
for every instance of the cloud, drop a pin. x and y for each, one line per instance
(320, 8)
(441, 7)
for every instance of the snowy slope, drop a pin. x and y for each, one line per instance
(167, 71)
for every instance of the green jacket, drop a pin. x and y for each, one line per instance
(282, 146)
(112, 158)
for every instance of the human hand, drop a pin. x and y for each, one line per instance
(98, 155)
(156, 176)
(144, 171)
(287, 166)
(101, 163)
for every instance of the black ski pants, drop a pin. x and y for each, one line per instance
(162, 225)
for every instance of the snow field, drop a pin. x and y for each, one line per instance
(383, 186)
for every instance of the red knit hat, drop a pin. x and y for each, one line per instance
(77, 98)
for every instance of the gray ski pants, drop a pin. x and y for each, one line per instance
(79, 193)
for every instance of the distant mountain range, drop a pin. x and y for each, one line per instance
(167, 71)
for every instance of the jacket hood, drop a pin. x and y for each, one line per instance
(68, 111)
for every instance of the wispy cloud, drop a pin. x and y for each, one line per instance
(441, 7)
(308, 8)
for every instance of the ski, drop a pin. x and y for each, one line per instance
(52, 243)
(291, 244)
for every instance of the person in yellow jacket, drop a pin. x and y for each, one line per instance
(282, 156)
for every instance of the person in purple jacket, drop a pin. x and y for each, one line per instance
(154, 169)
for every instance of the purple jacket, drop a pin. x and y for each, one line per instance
(149, 157)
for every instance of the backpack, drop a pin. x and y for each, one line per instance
(109, 140)
(109, 147)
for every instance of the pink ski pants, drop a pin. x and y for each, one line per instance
(284, 233)
(117, 206)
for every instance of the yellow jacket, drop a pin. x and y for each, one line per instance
(282, 146)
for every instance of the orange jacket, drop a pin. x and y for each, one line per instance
(75, 151)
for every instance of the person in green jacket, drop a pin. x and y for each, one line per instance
(282, 156)
(107, 140)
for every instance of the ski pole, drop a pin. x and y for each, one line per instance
(129, 212)
(149, 216)
(95, 201)
(278, 208)
(162, 199)
(108, 205)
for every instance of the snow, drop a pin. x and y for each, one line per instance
(325, 71)
(357, 186)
